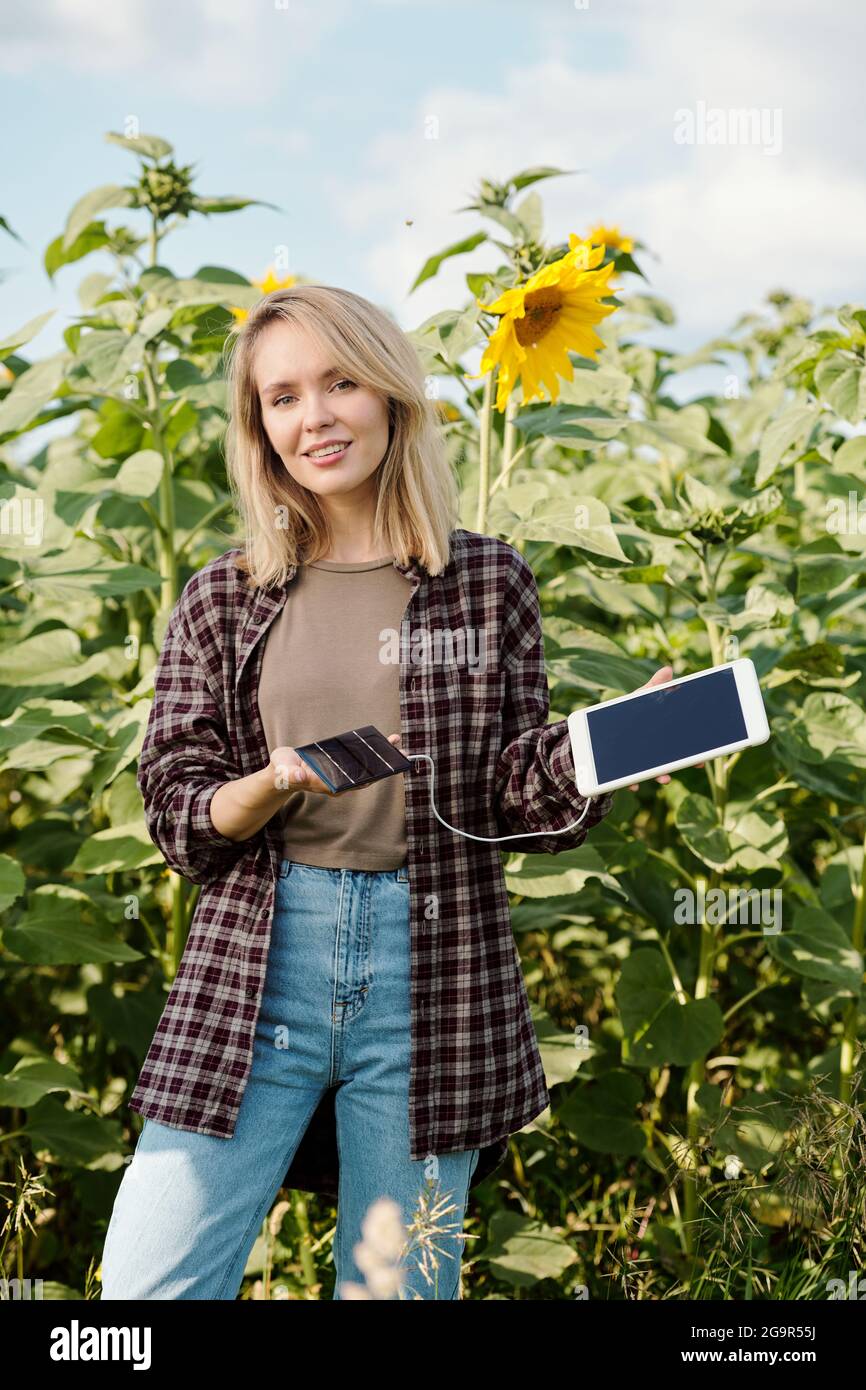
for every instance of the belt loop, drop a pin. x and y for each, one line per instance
(403, 874)
(285, 868)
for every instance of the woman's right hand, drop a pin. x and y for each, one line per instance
(291, 773)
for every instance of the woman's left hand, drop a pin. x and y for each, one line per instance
(662, 675)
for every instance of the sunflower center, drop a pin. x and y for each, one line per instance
(542, 308)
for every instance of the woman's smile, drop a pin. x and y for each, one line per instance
(334, 456)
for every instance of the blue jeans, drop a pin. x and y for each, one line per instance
(335, 1012)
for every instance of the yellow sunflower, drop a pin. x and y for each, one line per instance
(610, 237)
(266, 285)
(554, 311)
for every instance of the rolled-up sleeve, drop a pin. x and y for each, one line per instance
(185, 756)
(535, 778)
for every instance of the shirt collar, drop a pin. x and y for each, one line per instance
(413, 569)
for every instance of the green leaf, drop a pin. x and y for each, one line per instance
(561, 1053)
(660, 1028)
(549, 876)
(529, 213)
(789, 432)
(841, 380)
(678, 430)
(601, 1114)
(31, 392)
(131, 1018)
(72, 1136)
(52, 659)
(816, 946)
(850, 457)
(13, 341)
(458, 248)
(36, 1076)
(57, 254)
(698, 823)
(110, 195)
(749, 842)
(568, 422)
(535, 174)
(229, 202)
(121, 848)
(86, 566)
(62, 926)
(821, 573)
(580, 522)
(831, 724)
(106, 356)
(138, 476)
(151, 146)
(41, 731)
(120, 435)
(12, 881)
(647, 305)
(10, 230)
(521, 1251)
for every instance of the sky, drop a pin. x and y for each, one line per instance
(358, 119)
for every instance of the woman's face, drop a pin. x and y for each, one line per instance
(307, 403)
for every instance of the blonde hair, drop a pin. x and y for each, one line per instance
(417, 504)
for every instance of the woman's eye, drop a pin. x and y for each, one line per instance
(346, 381)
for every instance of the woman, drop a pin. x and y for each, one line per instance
(349, 1015)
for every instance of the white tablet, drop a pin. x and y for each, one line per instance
(685, 721)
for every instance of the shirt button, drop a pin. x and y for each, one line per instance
(251, 991)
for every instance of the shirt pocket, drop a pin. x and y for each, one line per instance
(477, 702)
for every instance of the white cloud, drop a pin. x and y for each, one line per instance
(211, 52)
(727, 223)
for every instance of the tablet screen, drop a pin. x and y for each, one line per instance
(666, 724)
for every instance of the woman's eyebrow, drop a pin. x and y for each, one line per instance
(290, 385)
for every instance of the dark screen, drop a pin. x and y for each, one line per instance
(664, 725)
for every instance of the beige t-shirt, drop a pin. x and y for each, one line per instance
(321, 675)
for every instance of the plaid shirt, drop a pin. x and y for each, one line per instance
(476, 1072)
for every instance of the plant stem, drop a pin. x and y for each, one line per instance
(485, 429)
(502, 476)
(852, 1008)
(708, 947)
(509, 435)
(308, 1264)
(169, 592)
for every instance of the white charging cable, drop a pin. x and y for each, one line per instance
(524, 834)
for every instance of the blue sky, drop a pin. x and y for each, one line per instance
(325, 109)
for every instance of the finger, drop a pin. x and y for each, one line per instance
(660, 677)
(304, 776)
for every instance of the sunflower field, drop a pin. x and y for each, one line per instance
(696, 967)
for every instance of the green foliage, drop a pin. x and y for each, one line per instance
(675, 1046)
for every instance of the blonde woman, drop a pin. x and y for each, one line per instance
(349, 1016)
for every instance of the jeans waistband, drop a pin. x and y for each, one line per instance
(400, 875)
